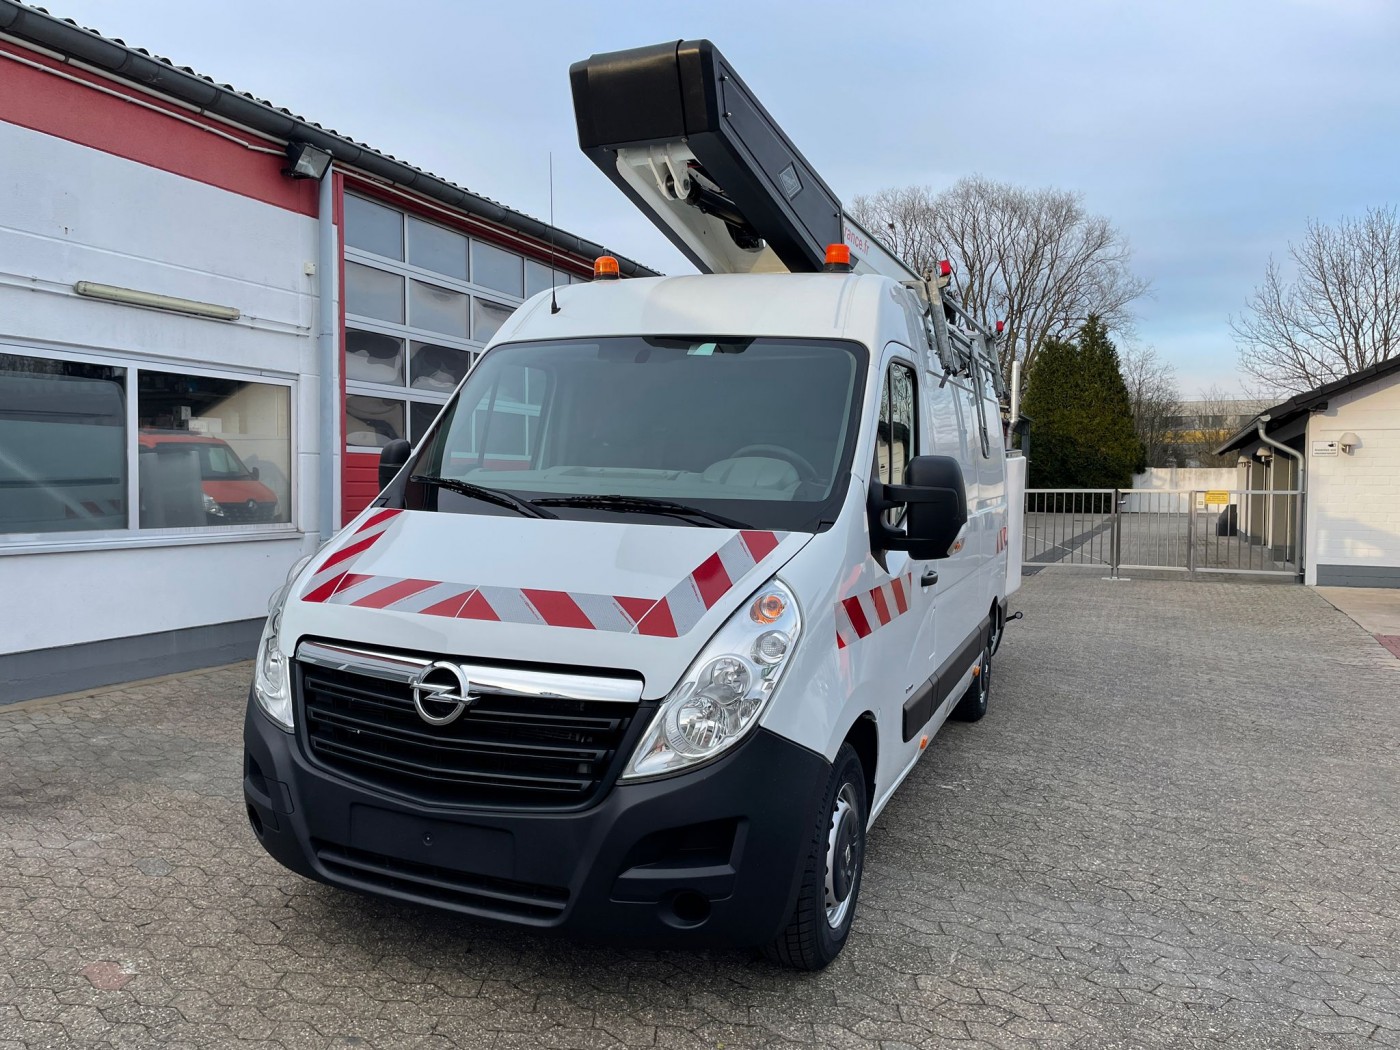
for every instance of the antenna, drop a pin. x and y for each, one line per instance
(553, 295)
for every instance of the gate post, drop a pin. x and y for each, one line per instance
(1117, 543)
(1191, 533)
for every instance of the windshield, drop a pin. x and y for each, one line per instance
(752, 431)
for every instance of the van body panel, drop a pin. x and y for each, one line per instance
(517, 564)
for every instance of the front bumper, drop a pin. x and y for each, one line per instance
(710, 857)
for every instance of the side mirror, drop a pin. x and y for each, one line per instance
(936, 496)
(254, 472)
(391, 460)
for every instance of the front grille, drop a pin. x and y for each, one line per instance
(243, 514)
(441, 886)
(504, 751)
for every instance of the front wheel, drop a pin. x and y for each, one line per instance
(973, 704)
(826, 901)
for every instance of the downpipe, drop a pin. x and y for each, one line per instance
(328, 354)
(1302, 487)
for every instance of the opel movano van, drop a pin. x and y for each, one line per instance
(647, 629)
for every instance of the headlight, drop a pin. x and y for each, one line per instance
(725, 690)
(271, 682)
(211, 506)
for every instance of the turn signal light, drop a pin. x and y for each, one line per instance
(605, 268)
(838, 258)
(768, 608)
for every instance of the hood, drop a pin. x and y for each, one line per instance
(627, 597)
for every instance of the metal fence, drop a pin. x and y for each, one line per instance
(1234, 531)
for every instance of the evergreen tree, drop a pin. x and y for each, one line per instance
(1082, 433)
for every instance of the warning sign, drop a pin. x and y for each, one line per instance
(1217, 497)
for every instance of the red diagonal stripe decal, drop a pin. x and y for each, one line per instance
(324, 591)
(658, 623)
(347, 552)
(375, 519)
(857, 615)
(389, 595)
(760, 544)
(636, 608)
(882, 609)
(450, 606)
(557, 608)
(476, 608)
(901, 600)
(711, 580)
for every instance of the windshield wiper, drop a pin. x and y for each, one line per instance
(646, 504)
(496, 496)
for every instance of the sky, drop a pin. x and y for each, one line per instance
(1208, 132)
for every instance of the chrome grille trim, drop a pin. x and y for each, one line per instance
(490, 681)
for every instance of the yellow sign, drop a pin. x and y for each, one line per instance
(1219, 496)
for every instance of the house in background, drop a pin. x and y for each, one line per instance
(213, 314)
(1342, 443)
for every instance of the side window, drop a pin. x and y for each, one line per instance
(896, 437)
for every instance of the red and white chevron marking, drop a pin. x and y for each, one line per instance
(861, 615)
(669, 616)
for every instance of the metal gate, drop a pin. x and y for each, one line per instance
(1188, 530)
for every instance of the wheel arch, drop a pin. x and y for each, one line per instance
(864, 738)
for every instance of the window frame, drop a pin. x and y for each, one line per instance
(13, 543)
(895, 517)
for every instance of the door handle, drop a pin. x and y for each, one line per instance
(929, 578)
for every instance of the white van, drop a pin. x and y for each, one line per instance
(653, 621)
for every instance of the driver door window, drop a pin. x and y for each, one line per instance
(895, 438)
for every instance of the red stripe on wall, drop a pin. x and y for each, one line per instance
(123, 127)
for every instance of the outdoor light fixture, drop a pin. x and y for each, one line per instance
(1348, 441)
(306, 161)
(156, 301)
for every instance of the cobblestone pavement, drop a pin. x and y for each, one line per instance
(1178, 826)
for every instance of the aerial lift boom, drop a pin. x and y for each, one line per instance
(681, 134)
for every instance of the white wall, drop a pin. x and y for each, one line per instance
(1353, 512)
(1178, 478)
(69, 213)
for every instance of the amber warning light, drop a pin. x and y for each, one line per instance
(605, 268)
(838, 258)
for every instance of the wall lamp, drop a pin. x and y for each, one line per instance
(154, 300)
(1349, 441)
(305, 161)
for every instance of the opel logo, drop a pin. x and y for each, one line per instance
(441, 693)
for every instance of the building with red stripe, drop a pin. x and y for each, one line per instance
(201, 355)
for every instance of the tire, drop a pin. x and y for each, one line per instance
(826, 900)
(973, 704)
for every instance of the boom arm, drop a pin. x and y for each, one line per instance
(681, 134)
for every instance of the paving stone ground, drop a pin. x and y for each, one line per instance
(1179, 826)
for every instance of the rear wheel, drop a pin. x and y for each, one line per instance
(973, 704)
(826, 900)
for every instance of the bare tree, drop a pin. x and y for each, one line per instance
(1338, 314)
(1032, 258)
(1155, 399)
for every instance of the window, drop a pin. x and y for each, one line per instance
(373, 227)
(437, 249)
(63, 462)
(498, 269)
(540, 278)
(194, 451)
(373, 293)
(421, 299)
(212, 451)
(896, 434)
(757, 430)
